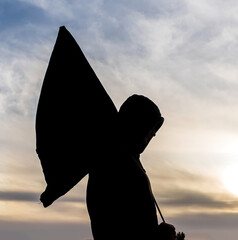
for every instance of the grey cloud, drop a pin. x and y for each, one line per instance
(73, 199)
(149, 9)
(156, 32)
(218, 221)
(20, 84)
(166, 169)
(18, 196)
(178, 187)
(195, 200)
(44, 230)
(206, 226)
(178, 56)
(21, 196)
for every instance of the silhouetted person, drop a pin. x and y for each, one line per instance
(119, 197)
(80, 131)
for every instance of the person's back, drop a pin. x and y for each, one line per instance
(119, 197)
(119, 200)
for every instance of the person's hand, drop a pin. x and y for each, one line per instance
(180, 236)
(167, 231)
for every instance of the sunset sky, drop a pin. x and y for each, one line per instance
(182, 54)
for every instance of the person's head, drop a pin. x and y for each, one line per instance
(139, 120)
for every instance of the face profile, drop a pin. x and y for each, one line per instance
(139, 120)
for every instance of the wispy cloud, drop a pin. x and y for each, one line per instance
(177, 46)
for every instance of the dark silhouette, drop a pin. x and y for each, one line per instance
(74, 118)
(119, 197)
(80, 132)
(180, 236)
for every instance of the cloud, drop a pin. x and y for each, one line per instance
(18, 196)
(208, 221)
(174, 49)
(197, 193)
(206, 226)
(48, 230)
(182, 54)
(183, 180)
(197, 200)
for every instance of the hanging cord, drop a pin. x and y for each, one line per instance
(156, 204)
(160, 213)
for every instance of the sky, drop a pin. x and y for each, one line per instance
(182, 54)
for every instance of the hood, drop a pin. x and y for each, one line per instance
(137, 116)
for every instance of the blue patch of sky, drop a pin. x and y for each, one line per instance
(22, 27)
(14, 14)
(18, 23)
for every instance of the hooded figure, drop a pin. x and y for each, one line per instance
(80, 131)
(119, 197)
(138, 117)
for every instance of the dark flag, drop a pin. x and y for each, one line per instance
(74, 120)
